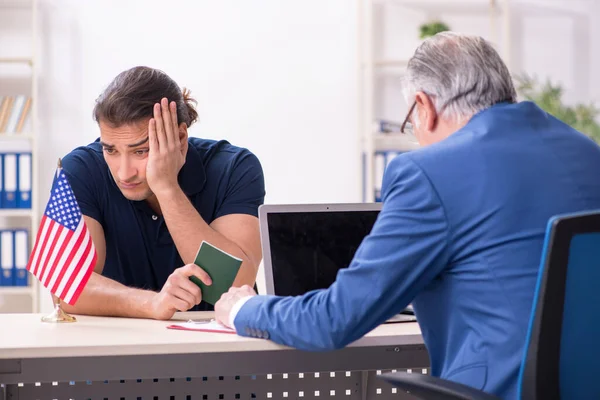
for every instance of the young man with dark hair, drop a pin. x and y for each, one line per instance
(150, 195)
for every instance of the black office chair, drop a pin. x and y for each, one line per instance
(562, 352)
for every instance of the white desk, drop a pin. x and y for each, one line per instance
(120, 358)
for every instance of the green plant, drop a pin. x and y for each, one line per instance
(432, 28)
(548, 96)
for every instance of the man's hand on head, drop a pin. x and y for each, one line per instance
(166, 155)
(224, 306)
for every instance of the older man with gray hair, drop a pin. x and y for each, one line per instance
(461, 231)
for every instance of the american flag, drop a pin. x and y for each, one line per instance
(63, 256)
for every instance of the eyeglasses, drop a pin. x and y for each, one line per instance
(407, 126)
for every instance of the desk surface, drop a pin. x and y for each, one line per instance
(25, 336)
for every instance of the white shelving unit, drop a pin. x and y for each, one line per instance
(17, 60)
(16, 212)
(21, 298)
(376, 66)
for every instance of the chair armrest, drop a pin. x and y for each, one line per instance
(432, 388)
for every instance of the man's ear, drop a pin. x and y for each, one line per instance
(428, 117)
(183, 137)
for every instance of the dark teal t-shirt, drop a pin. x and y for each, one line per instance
(218, 178)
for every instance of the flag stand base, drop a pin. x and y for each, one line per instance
(58, 315)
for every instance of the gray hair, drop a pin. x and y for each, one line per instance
(462, 74)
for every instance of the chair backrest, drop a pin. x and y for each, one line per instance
(562, 352)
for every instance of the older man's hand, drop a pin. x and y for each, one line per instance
(224, 306)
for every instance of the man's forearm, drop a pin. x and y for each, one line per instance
(188, 230)
(103, 296)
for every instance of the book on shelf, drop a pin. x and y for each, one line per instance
(14, 113)
(387, 126)
(381, 159)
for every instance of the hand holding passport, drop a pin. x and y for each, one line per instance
(222, 268)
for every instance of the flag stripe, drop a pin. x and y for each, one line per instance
(32, 262)
(49, 240)
(43, 247)
(82, 276)
(58, 274)
(77, 240)
(88, 272)
(66, 239)
(72, 262)
(56, 247)
(38, 243)
(77, 265)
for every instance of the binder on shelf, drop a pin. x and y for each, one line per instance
(387, 126)
(24, 181)
(390, 155)
(381, 160)
(6, 258)
(21, 253)
(380, 163)
(10, 181)
(1, 180)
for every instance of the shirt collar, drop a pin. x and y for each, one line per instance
(192, 176)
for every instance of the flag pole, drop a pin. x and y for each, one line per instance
(58, 314)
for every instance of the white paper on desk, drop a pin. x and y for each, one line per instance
(202, 326)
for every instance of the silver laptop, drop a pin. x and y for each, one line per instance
(305, 245)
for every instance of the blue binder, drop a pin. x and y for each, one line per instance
(7, 249)
(24, 180)
(9, 173)
(379, 168)
(1, 179)
(21, 254)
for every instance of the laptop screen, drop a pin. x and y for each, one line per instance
(307, 249)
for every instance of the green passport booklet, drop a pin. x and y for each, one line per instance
(222, 268)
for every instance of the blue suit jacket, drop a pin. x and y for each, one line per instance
(460, 235)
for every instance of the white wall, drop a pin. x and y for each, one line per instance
(563, 46)
(275, 76)
(550, 39)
